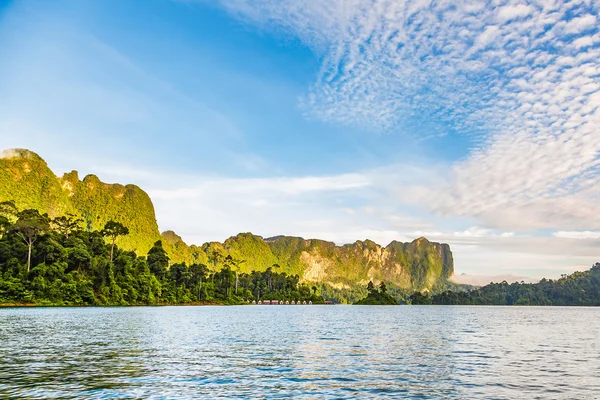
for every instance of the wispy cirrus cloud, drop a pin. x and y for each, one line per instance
(521, 78)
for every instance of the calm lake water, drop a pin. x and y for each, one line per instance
(426, 352)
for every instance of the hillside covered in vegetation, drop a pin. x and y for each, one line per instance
(26, 179)
(420, 264)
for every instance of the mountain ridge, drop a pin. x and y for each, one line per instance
(418, 264)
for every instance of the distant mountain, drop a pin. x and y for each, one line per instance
(26, 178)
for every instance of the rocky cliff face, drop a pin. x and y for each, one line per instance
(419, 264)
(26, 179)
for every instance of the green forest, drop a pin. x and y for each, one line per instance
(576, 289)
(55, 261)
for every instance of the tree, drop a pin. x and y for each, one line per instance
(29, 226)
(197, 272)
(180, 273)
(113, 230)
(225, 278)
(158, 260)
(4, 224)
(382, 288)
(66, 224)
(269, 275)
(235, 263)
(215, 258)
(371, 287)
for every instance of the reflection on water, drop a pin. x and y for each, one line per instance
(307, 351)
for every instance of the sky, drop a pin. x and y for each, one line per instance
(475, 124)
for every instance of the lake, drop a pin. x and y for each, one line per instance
(425, 352)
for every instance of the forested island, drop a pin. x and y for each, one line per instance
(576, 289)
(378, 296)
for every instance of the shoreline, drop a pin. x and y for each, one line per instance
(33, 305)
(196, 304)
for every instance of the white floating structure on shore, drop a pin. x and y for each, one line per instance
(285, 302)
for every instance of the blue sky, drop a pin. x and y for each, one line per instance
(476, 124)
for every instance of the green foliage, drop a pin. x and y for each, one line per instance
(26, 179)
(66, 224)
(113, 230)
(377, 296)
(29, 226)
(419, 298)
(98, 203)
(577, 289)
(180, 252)
(8, 210)
(158, 260)
(254, 249)
(419, 264)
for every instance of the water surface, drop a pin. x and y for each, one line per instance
(425, 352)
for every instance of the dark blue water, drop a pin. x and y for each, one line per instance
(426, 352)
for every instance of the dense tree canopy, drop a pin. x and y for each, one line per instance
(66, 224)
(57, 263)
(377, 296)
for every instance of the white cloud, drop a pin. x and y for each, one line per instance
(487, 36)
(586, 41)
(268, 186)
(579, 24)
(476, 231)
(577, 234)
(328, 207)
(359, 206)
(509, 12)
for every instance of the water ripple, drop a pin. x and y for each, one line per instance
(332, 352)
